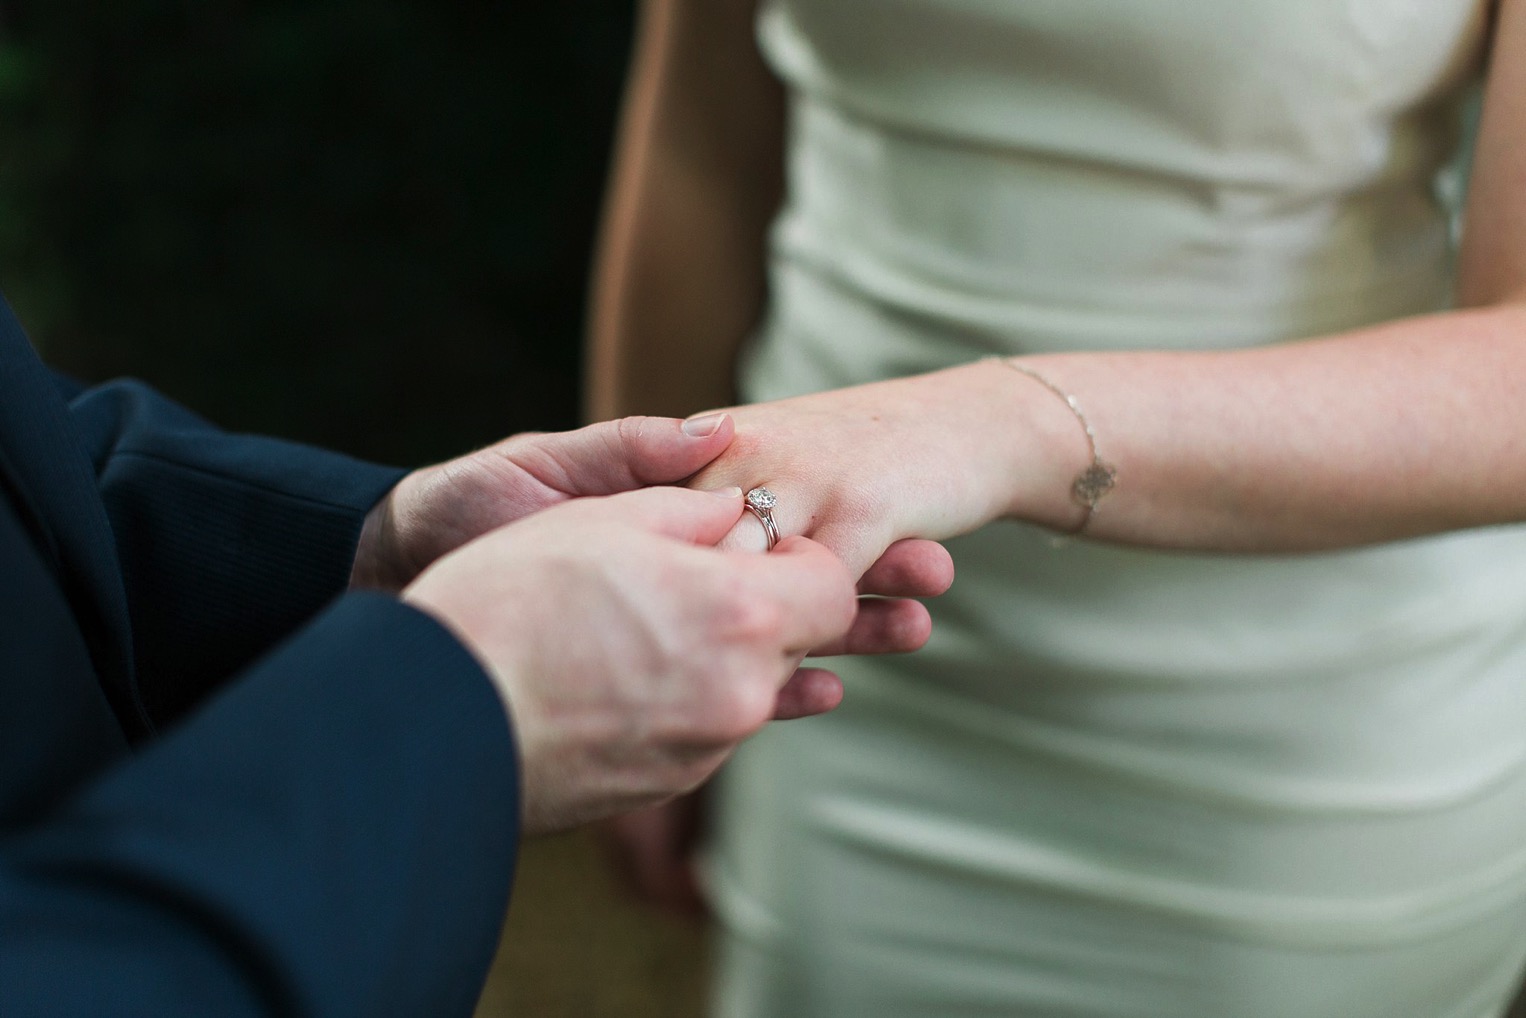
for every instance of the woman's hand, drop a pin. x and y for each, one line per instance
(929, 456)
(653, 850)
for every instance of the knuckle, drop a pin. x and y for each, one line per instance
(860, 507)
(753, 619)
(832, 594)
(629, 430)
(746, 707)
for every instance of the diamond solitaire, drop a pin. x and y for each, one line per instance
(761, 502)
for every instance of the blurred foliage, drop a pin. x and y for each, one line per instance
(359, 222)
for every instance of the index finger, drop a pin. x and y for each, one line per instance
(694, 517)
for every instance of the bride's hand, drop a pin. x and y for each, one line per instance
(857, 469)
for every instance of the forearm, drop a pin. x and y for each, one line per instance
(1406, 428)
(349, 802)
(679, 276)
(227, 542)
(1401, 429)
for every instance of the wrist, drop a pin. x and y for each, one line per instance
(1045, 441)
(1096, 478)
(377, 564)
(448, 594)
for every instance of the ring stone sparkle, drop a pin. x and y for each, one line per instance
(761, 502)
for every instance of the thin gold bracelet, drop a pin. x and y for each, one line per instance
(1094, 483)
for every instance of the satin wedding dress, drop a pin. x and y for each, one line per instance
(1118, 782)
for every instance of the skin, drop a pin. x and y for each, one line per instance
(631, 654)
(679, 276)
(1406, 428)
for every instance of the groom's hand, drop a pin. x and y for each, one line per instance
(437, 509)
(633, 656)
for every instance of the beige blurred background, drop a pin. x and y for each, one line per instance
(575, 946)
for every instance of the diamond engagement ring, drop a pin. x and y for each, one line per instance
(760, 502)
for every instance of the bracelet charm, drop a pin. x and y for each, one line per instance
(1099, 478)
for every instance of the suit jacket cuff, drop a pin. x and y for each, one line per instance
(227, 542)
(333, 834)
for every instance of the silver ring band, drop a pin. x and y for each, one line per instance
(760, 502)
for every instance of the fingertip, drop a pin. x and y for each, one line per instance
(941, 570)
(883, 625)
(809, 692)
(709, 427)
(900, 626)
(912, 627)
(910, 568)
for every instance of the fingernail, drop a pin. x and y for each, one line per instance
(703, 427)
(731, 492)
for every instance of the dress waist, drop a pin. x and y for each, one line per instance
(1034, 250)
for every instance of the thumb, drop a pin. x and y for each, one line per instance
(697, 517)
(618, 455)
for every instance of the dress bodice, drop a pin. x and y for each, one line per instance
(1193, 160)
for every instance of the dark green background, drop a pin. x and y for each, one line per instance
(359, 222)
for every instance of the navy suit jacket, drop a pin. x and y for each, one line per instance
(225, 789)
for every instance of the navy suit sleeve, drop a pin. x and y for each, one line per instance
(332, 835)
(227, 542)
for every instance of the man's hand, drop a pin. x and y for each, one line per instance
(436, 509)
(632, 657)
(653, 850)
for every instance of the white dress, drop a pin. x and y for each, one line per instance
(1118, 782)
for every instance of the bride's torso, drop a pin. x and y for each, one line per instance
(1110, 173)
(978, 176)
